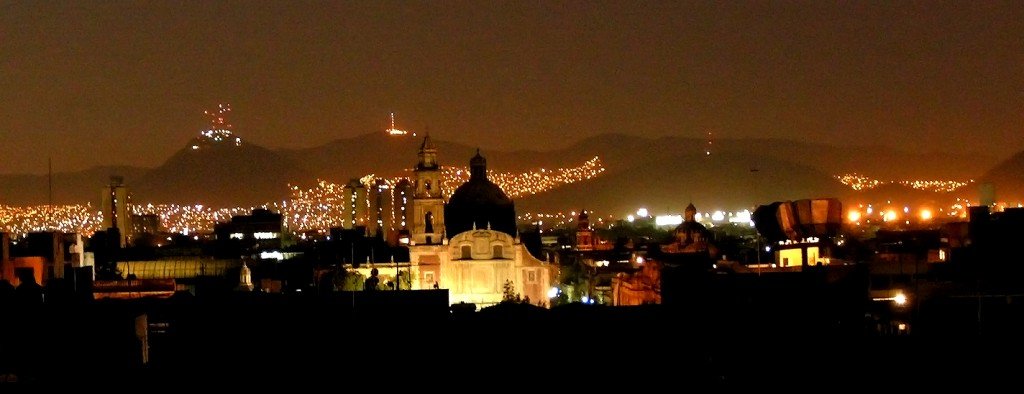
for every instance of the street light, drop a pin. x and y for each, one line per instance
(900, 299)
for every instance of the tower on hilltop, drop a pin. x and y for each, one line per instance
(396, 131)
(219, 130)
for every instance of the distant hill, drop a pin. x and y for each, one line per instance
(720, 181)
(660, 172)
(1008, 178)
(383, 155)
(875, 161)
(77, 187)
(343, 159)
(221, 175)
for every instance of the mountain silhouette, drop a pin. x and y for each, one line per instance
(1008, 179)
(661, 172)
(222, 175)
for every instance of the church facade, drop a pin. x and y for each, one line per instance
(469, 244)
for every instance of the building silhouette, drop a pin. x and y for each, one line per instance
(115, 204)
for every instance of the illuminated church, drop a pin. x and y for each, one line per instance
(469, 245)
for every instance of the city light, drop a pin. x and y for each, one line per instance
(741, 217)
(317, 208)
(926, 214)
(900, 299)
(860, 182)
(528, 183)
(83, 219)
(668, 220)
(272, 255)
(853, 216)
(559, 219)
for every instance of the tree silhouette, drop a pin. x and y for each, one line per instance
(509, 294)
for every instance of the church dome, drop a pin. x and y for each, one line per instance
(690, 230)
(479, 203)
(691, 227)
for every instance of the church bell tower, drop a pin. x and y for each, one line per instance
(428, 200)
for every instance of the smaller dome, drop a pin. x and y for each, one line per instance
(690, 213)
(478, 160)
(477, 167)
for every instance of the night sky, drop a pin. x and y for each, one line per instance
(98, 82)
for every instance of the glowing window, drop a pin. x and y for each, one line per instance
(265, 235)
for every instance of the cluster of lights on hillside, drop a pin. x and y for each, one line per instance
(188, 219)
(317, 208)
(860, 182)
(528, 183)
(219, 131)
(65, 218)
(325, 204)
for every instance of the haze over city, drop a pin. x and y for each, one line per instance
(105, 83)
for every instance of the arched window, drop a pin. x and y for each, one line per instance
(467, 252)
(497, 252)
(428, 218)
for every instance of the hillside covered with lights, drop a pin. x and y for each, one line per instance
(219, 170)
